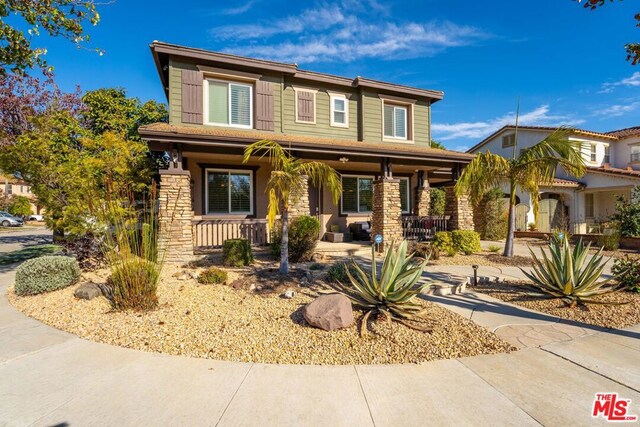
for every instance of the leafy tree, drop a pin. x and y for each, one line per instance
(19, 206)
(110, 110)
(286, 176)
(57, 18)
(492, 223)
(628, 214)
(633, 49)
(437, 144)
(535, 166)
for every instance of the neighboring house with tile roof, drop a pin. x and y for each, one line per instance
(613, 169)
(376, 134)
(11, 186)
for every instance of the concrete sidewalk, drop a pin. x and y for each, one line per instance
(49, 377)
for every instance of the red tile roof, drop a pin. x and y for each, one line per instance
(625, 133)
(629, 173)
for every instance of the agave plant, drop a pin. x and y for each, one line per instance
(566, 274)
(392, 292)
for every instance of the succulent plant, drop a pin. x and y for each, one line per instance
(566, 274)
(392, 292)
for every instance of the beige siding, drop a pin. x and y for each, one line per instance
(372, 114)
(421, 123)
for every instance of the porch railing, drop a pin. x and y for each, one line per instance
(423, 227)
(211, 233)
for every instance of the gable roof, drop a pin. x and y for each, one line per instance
(161, 52)
(581, 132)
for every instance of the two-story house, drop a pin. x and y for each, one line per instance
(613, 169)
(376, 134)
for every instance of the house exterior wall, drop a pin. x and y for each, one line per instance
(624, 149)
(364, 109)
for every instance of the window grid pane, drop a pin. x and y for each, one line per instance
(388, 120)
(365, 192)
(218, 192)
(404, 195)
(218, 102)
(339, 117)
(240, 105)
(400, 122)
(349, 194)
(240, 188)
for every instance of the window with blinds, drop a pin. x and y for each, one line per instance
(229, 104)
(357, 194)
(404, 195)
(339, 110)
(229, 192)
(395, 121)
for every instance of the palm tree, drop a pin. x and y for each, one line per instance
(287, 174)
(533, 167)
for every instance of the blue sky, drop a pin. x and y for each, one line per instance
(565, 63)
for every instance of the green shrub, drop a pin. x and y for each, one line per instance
(494, 248)
(628, 213)
(424, 250)
(627, 270)
(133, 284)
(392, 292)
(566, 274)
(316, 266)
(46, 274)
(303, 238)
(437, 202)
(237, 253)
(212, 276)
(466, 241)
(610, 242)
(337, 272)
(444, 241)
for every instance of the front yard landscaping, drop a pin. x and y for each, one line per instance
(248, 319)
(607, 316)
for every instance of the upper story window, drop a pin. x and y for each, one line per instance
(305, 105)
(593, 150)
(229, 192)
(635, 153)
(607, 154)
(228, 103)
(395, 121)
(339, 106)
(357, 194)
(509, 140)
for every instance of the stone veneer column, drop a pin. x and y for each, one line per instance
(175, 215)
(299, 199)
(423, 199)
(387, 211)
(459, 209)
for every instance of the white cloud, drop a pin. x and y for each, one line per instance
(344, 31)
(238, 10)
(632, 81)
(617, 110)
(538, 117)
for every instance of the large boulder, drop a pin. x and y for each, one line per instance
(329, 312)
(88, 291)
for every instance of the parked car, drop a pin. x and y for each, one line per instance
(35, 217)
(8, 220)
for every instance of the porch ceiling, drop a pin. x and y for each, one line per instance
(161, 135)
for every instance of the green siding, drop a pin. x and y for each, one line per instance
(322, 126)
(284, 109)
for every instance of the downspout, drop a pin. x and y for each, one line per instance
(429, 121)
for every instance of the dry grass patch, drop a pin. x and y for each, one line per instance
(607, 316)
(221, 322)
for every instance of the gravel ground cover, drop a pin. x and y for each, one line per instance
(608, 316)
(223, 322)
(486, 259)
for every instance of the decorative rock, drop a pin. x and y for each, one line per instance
(289, 294)
(317, 257)
(329, 312)
(182, 275)
(88, 291)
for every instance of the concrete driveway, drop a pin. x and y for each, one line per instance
(13, 239)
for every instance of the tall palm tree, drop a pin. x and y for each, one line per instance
(532, 168)
(287, 173)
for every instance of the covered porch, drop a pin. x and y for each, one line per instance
(208, 195)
